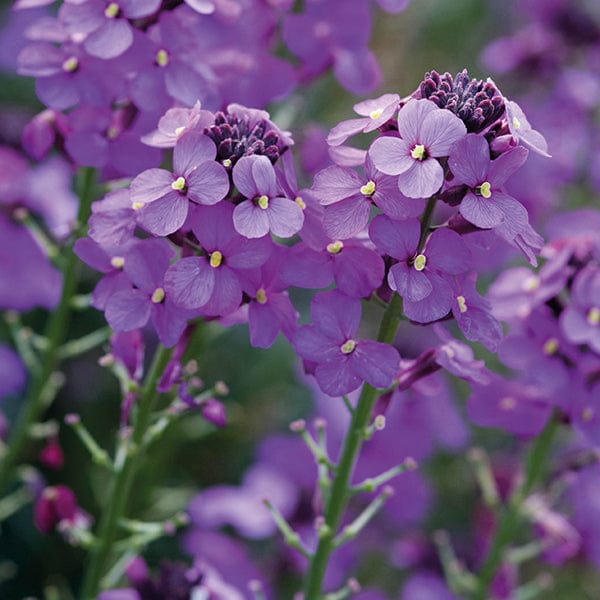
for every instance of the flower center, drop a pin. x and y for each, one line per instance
(158, 295)
(298, 200)
(508, 403)
(70, 65)
(117, 262)
(420, 262)
(593, 316)
(516, 123)
(587, 414)
(485, 189)
(179, 131)
(216, 258)
(335, 247)
(112, 10)
(419, 152)
(348, 347)
(531, 283)
(137, 205)
(261, 296)
(376, 113)
(368, 189)
(263, 202)
(227, 163)
(162, 60)
(179, 184)
(462, 304)
(551, 346)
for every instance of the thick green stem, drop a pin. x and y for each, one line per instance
(352, 445)
(35, 400)
(123, 479)
(510, 518)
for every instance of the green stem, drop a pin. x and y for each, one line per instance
(511, 515)
(352, 445)
(34, 403)
(123, 479)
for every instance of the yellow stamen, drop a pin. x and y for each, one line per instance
(112, 132)
(335, 247)
(587, 414)
(486, 189)
(508, 403)
(516, 123)
(158, 295)
(137, 205)
(531, 283)
(112, 10)
(263, 202)
(551, 346)
(162, 60)
(70, 64)
(216, 258)
(348, 347)
(227, 163)
(418, 152)
(117, 262)
(179, 184)
(420, 262)
(300, 202)
(179, 131)
(376, 113)
(261, 296)
(593, 316)
(368, 189)
(462, 304)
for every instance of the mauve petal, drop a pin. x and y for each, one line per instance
(186, 86)
(263, 323)
(92, 254)
(391, 155)
(165, 215)
(481, 211)
(411, 284)
(208, 184)
(574, 325)
(58, 91)
(192, 149)
(311, 344)
(226, 295)
(190, 282)
(151, 185)
(250, 220)
(469, 160)
(136, 9)
(213, 226)
(285, 217)
(390, 200)
(506, 164)
(127, 310)
(169, 322)
(446, 251)
(263, 174)
(146, 263)
(119, 594)
(249, 254)
(440, 130)
(410, 118)
(398, 239)
(358, 271)
(341, 132)
(358, 71)
(307, 268)
(336, 378)
(517, 351)
(436, 306)
(344, 220)
(515, 214)
(107, 286)
(336, 315)
(376, 363)
(336, 183)
(243, 178)
(423, 179)
(110, 40)
(40, 60)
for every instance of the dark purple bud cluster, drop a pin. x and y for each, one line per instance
(477, 103)
(174, 582)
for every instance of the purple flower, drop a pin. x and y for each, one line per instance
(163, 198)
(264, 209)
(421, 279)
(580, 321)
(485, 204)
(145, 265)
(212, 282)
(426, 133)
(375, 113)
(105, 24)
(522, 131)
(112, 222)
(343, 363)
(349, 198)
